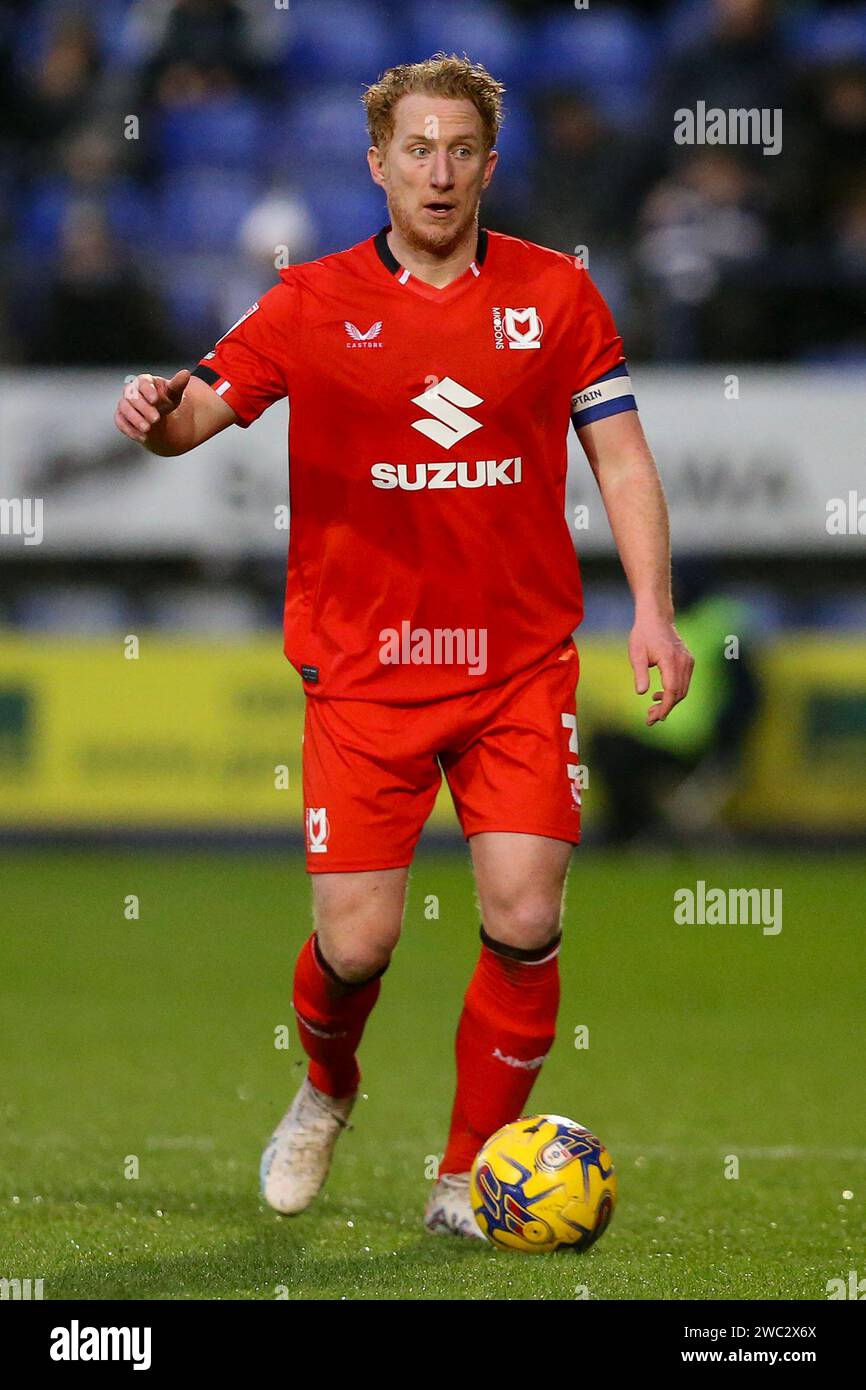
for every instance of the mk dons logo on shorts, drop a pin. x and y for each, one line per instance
(318, 829)
(508, 333)
(448, 402)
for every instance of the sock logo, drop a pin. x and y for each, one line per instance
(531, 1065)
(316, 1029)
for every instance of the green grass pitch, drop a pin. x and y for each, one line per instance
(155, 1039)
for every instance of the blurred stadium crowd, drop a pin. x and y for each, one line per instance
(154, 153)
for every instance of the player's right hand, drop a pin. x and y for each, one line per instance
(145, 400)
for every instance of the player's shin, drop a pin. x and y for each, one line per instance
(506, 1030)
(331, 1014)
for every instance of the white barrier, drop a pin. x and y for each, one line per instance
(751, 475)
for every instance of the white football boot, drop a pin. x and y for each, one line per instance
(296, 1162)
(449, 1208)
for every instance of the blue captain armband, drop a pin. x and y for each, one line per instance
(609, 395)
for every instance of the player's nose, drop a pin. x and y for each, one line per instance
(441, 176)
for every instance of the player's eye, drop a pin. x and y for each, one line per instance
(423, 148)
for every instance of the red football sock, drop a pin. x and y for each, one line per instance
(331, 1014)
(508, 1020)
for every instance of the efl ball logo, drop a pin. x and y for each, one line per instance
(554, 1155)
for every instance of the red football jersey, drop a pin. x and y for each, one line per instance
(429, 554)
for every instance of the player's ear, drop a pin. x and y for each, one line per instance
(374, 161)
(492, 160)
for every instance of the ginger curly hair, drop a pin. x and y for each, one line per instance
(443, 75)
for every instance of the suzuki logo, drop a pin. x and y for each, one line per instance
(451, 423)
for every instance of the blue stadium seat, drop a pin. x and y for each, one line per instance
(516, 138)
(110, 20)
(202, 210)
(825, 36)
(345, 212)
(188, 284)
(130, 212)
(684, 25)
(327, 126)
(486, 32)
(343, 39)
(125, 204)
(321, 125)
(31, 35)
(41, 213)
(107, 21)
(609, 54)
(219, 134)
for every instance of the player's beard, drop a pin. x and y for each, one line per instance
(432, 240)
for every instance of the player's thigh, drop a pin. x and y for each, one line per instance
(519, 771)
(520, 880)
(370, 777)
(358, 918)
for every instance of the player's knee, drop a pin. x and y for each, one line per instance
(528, 922)
(353, 962)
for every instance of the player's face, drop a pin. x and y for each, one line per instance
(433, 170)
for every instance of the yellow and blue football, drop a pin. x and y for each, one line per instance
(543, 1183)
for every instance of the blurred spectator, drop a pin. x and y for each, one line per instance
(672, 780)
(822, 313)
(89, 161)
(825, 150)
(724, 253)
(701, 251)
(61, 84)
(735, 65)
(277, 231)
(85, 171)
(848, 241)
(204, 49)
(97, 309)
(587, 177)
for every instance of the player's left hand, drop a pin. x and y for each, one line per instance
(655, 642)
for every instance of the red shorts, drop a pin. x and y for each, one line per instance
(509, 755)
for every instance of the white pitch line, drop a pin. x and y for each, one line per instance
(675, 1151)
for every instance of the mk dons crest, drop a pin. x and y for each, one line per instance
(318, 829)
(523, 328)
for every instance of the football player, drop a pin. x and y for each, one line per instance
(432, 372)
